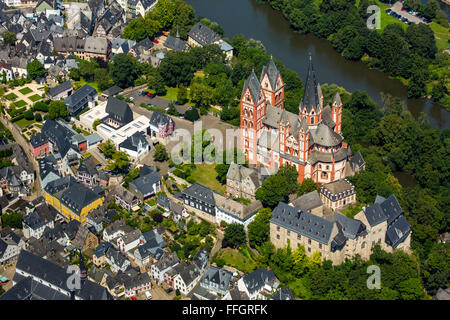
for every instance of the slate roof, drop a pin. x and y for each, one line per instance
(253, 84)
(167, 261)
(237, 209)
(38, 140)
(112, 91)
(189, 274)
(119, 110)
(79, 97)
(218, 276)
(72, 194)
(159, 118)
(58, 134)
(397, 231)
(308, 201)
(338, 186)
(256, 280)
(132, 142)
(175, 43)
(302, 222)
(351, 228)
(144, 184)
(357, 161)
(283, 294)
(57, 276)
(310, 99)
(200, 192)
(374, 214)
(88, 166)
(102, 248)
(115, 255)
(201, 258)
(325, 136)
(203, 35)
(272, 73)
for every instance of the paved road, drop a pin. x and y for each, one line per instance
(21, 141)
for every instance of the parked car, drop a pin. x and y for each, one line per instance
(169, 290)
(132, 98)
(155, 41)
(133, 298)
(148, 295)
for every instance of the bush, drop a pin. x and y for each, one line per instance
(38, 117)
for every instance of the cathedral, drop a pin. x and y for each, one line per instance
(311, 141)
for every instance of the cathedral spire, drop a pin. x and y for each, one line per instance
(83, 272)
(310, 98)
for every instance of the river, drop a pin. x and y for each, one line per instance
(261, 22)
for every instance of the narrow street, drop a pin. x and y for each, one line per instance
(21, 141)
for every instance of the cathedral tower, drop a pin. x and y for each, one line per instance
(272, 84)
(311, 104)
(253, 111)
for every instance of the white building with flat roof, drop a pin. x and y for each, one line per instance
(108, 132)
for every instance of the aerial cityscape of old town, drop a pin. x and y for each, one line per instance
(224, 150)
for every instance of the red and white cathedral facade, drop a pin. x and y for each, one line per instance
(272, 136)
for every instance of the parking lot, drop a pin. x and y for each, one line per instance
(158, 102)
(397, 8)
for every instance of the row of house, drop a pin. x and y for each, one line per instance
(215, 208)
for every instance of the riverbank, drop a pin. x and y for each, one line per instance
(261, 22)
(418, 86)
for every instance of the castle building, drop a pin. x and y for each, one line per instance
(311, 141)
(338, 237)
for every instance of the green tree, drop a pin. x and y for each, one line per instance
(164, 13)
(430, 9)
(74, 74)
(421, 39)
(96, 123)
(35, 69)
(182, 94)
(57, 109)
(436, 268)
(156, 82)
(12, 219)
(28, 114)
(273, 190)
(192, 115)
(9, 37)
(234, 235)
(259, 228)
(306, 186)
(124, 70)
(172, 110)
(160, 153)
(108, 148)
(119, 161)
(38, 117)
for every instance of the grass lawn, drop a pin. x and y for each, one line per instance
(441, 34)
(172, 95)
(20, 103)
(35, 97)
(11, 96)
(385, 18)
(25, 90)
(235, 258)
(22, 123)
(82, 82)
(206, 175)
